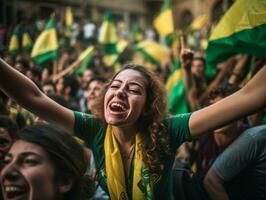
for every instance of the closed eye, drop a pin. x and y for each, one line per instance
(134, 91)
(114, 86)
(30, 161)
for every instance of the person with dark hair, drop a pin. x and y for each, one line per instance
(132, 138)
(93, 91)
(70, 89)
(11, 112)
(45, 163)
(48, 87)
(8, 129)
(222, 91)
(214, 143)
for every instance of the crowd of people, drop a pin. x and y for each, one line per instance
(108, 133)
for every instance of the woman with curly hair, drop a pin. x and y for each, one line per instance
(132, 138)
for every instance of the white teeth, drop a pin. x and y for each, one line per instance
(119, 105)
(12, 189)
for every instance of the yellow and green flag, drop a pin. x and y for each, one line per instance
(85, 58)
(176, 93)
(164, 23)
(112, 59)
(26, 41)
(137, 33)
(107, 34)
(241, 30)
(13, 47)
(46, 46)
(68, 21)
(152, 52)
(110, 45)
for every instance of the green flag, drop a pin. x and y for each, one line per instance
(177, 103)
(241, 30)
(164, 23)
(13, 47)
(46, 45)
(176, 93)
(137, 33)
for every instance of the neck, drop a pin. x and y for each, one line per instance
(125, 135)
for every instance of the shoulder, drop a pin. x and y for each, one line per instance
(256, 132)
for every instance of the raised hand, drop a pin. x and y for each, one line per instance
(186, 54)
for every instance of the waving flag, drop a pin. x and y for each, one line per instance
(46, 45)
(13, 47)
(164, 23)
(26, 41)
(241, 30)
(152, 51)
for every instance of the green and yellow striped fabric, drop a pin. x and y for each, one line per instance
(152, 52)
(46, 46)
(164, 23)
(241, 30)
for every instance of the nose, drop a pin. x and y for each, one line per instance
(121, 92)
(10, 172)
(91, 92)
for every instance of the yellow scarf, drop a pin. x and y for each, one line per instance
(115, 171)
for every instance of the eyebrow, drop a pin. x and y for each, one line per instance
(131, 83)
(27, 153)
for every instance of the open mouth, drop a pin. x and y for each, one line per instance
(13, 192)
(117, 107)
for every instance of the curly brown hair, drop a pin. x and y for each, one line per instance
(155, 141)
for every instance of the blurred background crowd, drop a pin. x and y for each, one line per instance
(70, 49)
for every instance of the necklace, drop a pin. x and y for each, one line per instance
(129, 155)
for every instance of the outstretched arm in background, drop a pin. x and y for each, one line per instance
(28, 95)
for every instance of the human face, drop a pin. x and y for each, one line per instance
(198, 68)
(28, 173)
(93, 91)
(87, 76)
(125, 98)
(48, 89)
(5, 143)
(5, 140)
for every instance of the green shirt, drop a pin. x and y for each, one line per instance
(92, 131)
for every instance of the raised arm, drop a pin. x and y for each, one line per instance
(28, 95)
(251, 98)
(186, 58)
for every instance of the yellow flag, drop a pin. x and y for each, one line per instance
(26, 41)
(13, 47)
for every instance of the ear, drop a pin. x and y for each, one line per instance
(65, 185)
